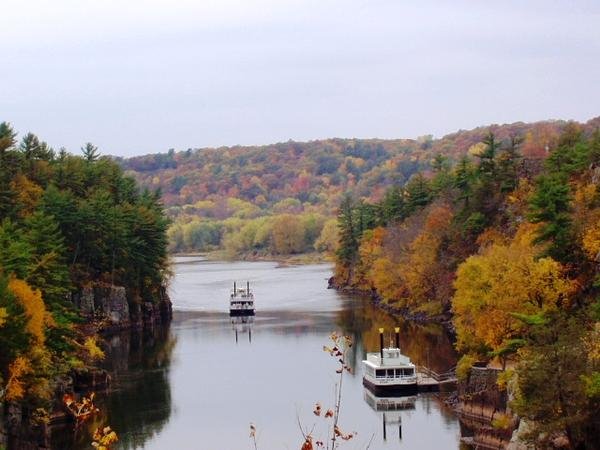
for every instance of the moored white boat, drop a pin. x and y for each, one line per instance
(389, 372)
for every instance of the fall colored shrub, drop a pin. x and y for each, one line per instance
(34, 307)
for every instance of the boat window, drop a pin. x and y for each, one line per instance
(390, 373)
(380, 373)
(399, 373)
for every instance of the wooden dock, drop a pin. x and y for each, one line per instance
(431, 381)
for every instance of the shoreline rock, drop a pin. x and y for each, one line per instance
(417, 317)
(113, 309)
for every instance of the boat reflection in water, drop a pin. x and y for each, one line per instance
(391, 408)
(242, 325)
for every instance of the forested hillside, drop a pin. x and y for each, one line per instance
(279, 199)
(67, 223)
(506, 242)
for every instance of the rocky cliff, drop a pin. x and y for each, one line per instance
(485, 418)
(114, 309)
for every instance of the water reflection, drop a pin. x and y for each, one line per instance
(242, 325)
(391, 409)
(139, 402)
(426, 345)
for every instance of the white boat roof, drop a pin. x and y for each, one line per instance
(392, 358)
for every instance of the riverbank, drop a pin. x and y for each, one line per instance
(418, 316)
(284, 260)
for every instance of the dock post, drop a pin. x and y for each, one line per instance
(381, 344)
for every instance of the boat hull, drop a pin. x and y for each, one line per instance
(390, 390)
(241, 312)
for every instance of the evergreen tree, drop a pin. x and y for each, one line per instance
(48, 271)
(418, 193)
(571, 152)
(8, 168)
(487, 158)
(550, 206)
(440, 163)
(507, 165)
(392, 207)
(15, 251)
(32, 150)
(367, 218)
(90, 152)
(463, 179)
(594, 148)
(348, 242)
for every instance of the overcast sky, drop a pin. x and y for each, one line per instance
(142, 76)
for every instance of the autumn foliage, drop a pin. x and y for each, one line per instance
(66, 222)
(203, 189)
(34, 308)
(503, 280)
(506, 243)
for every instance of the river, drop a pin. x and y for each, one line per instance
(199, 383)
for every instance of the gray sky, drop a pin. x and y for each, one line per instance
(141, 76)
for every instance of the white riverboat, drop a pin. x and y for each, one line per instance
(389, 372)
(241, 301)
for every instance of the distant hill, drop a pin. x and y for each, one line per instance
(214, 184)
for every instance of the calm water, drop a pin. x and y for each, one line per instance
(201, 382)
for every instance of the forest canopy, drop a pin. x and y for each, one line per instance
(66, 222)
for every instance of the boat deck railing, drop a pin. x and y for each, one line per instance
(449, 375)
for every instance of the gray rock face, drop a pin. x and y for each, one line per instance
(109, 303)
(480, 404)
(104, 302)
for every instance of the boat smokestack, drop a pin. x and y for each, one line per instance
(234, 289)
(247, 287)
(381, 343)
(397, 330)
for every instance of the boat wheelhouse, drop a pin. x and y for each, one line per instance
(389, 372)
(241, 301)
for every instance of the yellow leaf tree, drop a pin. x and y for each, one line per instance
(370, 250)
(34, 307)
(288, 234)
(422, 270)
(502, 280)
